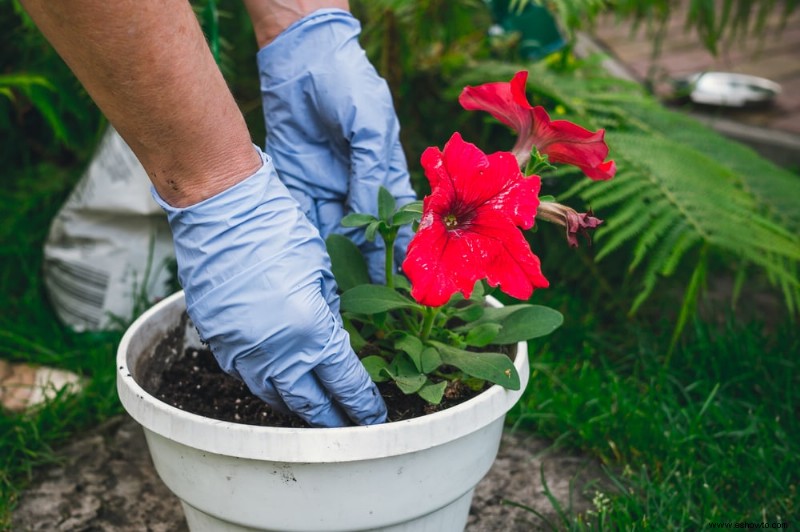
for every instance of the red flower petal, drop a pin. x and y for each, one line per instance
(562, 141)
(440, 263)
(519, 196)
(568, 143)
(504, 101)
(469, 221)
(432, 280)
(513, 267)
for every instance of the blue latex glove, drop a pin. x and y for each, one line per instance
(332, 130)
(259, 290)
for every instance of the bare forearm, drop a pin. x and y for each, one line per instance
(147, 66)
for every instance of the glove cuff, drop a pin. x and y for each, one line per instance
(222, 236)
(239, 197)
(280, 56)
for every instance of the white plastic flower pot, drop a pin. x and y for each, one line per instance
(409, 475)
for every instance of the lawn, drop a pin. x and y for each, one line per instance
(712, 437)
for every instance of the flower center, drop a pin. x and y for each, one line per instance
(450, 221)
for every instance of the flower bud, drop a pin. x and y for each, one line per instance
(574, 221)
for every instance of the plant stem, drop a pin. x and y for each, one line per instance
(389, 265)
(427, 323)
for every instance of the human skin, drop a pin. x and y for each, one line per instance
(147, 66)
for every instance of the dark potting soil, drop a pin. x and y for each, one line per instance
(194, 382)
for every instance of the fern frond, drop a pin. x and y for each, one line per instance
(629, 221)
(672, 198)
(626, 186)
(662, 222)
(678, 237)
(775, 188)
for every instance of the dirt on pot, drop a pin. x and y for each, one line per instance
(105, 481)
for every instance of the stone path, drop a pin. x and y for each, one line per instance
(105, 482)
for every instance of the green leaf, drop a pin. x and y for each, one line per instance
(357, 341)
(493, 367)
(431, 360)
(347, 263)
(413, 207)
(406, 375)
(483, 334)
(41, 97)
(401, 281)
(433, 392)
(478, 292)
(372, 228)
(377, 367)
(529, 322)
(405, 217)
(409, 384)
(469, 313)
(357, 220)
(519, 322)
(372, 299)
(412, 346)
(386, 205)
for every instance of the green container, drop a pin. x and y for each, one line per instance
(540, 35)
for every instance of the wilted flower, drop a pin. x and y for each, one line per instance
(575, 222)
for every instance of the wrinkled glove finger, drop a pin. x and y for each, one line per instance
(264, 390)
(308, 207)
(302, 394)
(399, 185)
(345, 377)
(311, 337)
(346, 143)
(307, 398)
(330, 213)
(338, 370)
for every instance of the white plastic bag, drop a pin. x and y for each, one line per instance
(108, 247)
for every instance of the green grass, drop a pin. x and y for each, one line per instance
(29, 331)
(714, 437)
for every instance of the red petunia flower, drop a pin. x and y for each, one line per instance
(470, 226)
(561, 140)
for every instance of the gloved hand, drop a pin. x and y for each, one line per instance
(332, 130)
(259, 290)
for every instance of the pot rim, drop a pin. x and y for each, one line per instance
(307, 445)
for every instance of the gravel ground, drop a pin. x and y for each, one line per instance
(105, 481)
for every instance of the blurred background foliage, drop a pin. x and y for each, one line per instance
(45, 115)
